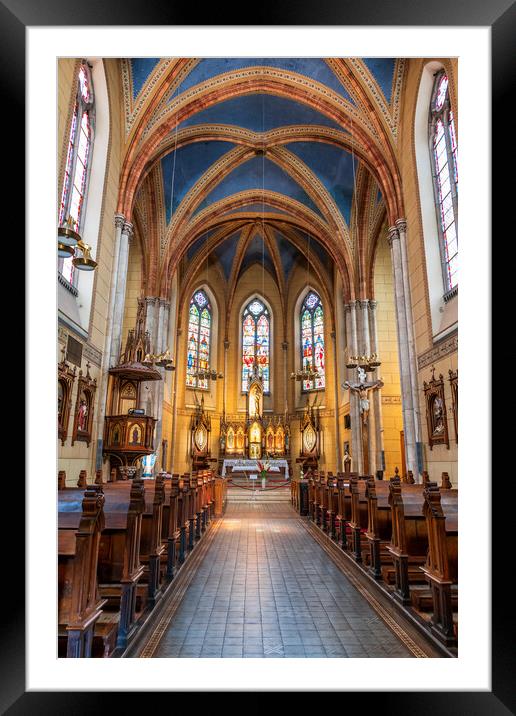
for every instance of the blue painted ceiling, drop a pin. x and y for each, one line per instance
(225, 253)
(382, 69)
(316, 69)
(258, 253)
(258, 173)
(141, 68)
(260, 112)
(333, 166)
(191, 162)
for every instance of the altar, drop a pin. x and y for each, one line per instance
(251, 466)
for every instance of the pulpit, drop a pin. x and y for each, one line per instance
(128, 431)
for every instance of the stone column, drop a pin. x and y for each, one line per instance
(377, 394)
(354, 407)
(174, 401)
(401, 225)
(161, 346)
(338, 457)
(224, 395)
(119, 304)
(284, 347)
(104, 380)
(404, 353)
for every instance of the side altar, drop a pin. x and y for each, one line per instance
(257, 436)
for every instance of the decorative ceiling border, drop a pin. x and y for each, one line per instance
(373, 86)
(132, 108)
(397, 85)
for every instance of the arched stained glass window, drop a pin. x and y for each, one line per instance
(199, 339)
(312, 340)
(443, 154)
(255, 343)
(78, 160)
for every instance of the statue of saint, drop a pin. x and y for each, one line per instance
(346, 461)
(83, 413)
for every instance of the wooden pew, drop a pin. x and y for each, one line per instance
(119, 568)
(379, 525)
(220, 496)
(183, 517)
(359, 517)
(80, 522)
(332, 500)
(441, 567)
(170, 526)
(409, 544)
(151, 544)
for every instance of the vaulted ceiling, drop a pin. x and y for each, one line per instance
(261, 160)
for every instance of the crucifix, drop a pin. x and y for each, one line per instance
(362, 387)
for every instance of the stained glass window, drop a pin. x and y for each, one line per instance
(312, 340)
(199, 339)
(78, 158)
(443, 151)
(255, 343)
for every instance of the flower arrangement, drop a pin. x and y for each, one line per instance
(264, 468)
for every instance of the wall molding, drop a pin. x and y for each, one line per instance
(439, 350)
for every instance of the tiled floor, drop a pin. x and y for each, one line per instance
(267, 590)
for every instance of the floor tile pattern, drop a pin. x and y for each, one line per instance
(266, 589)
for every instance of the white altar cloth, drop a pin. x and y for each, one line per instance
(252, 465)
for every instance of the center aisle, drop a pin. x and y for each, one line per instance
(265, 588)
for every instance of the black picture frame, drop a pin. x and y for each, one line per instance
(500, 15)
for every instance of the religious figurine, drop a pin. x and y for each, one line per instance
(362, 388)
(438, 416)
(256, 404)
(346, 461)
(82, 414)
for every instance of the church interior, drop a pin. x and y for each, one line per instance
(257, 379)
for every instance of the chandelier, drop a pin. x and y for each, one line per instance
(162, 360)
(69, 243)
(208, 374)
(367, 363)
(308, 373)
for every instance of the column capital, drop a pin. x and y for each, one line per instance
(363, 303)
(392, 234)
(119, 221)
(150, 300)
(128, 229)
(164, 302)
(347, 308)
(284, 345)
(401, 225)
(373, 304)
(226, 344)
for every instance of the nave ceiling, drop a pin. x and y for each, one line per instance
(280, 162)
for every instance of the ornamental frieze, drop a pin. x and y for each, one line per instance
(444, 348)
